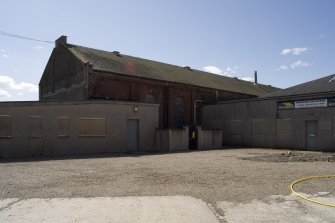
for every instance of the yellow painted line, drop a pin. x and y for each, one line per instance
(305, 198)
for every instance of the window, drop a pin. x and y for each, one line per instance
(5, 126)
(179, 112)
(63, 126)
(90, 127)
(150, 98)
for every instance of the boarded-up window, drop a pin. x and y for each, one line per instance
(150, 98)
(216, 124)
(236, 127)
(257, 126)
(284, 126)
(35, 127)
(63, 126)
(91, 127)
(179, 115)
(5, 126)
(257, 132)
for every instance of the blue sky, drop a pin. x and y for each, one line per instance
(288, 41)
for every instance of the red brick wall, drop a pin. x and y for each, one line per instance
(130, 88)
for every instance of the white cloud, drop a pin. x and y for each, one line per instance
(294, 51)
(300, 63)
(38, 47)
(213, 69)
(229, 71)
(248, 79)
(5, 55)
(20, 94)
(9, 83)
(282, 67)
(3, 50)
(4, 94)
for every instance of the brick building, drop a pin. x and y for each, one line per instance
(80, 73)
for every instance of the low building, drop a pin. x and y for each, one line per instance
(299, 117)
(79, 73)
(76, 127)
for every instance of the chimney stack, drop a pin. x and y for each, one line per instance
(255, 78)
(61, 40)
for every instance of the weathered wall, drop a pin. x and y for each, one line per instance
(172, 139)
(209, 139)
(63, 77)
(66, 77)
(258, 123)
(53, 128)
(129, 88)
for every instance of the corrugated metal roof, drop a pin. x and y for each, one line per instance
(322, 85)
(123, 64)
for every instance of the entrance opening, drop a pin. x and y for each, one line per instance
(132, 135)
(193, 137)
(311, 129)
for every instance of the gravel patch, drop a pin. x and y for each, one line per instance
(236, 175)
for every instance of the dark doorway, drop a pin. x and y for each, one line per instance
(311, 135)
(132, 135)
(193, 137)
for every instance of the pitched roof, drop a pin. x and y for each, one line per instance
(322, 85)
(129, 65)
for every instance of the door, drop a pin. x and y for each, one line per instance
(132, 135)
(193, 137)
(311, 135)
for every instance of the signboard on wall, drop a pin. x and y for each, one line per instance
(331, 102)
(284, 105)
(318, 103)
(313, 103)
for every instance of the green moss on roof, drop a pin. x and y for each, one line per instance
(124, 64)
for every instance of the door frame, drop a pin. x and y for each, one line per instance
(316, 135)
(137, 135)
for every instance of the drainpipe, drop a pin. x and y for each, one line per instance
(195, 110)
(166, 108)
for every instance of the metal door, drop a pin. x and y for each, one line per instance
(132, 135)
(311, 135)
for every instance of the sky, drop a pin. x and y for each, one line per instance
(288, 41)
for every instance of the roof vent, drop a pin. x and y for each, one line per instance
(187, 67)
(332, 79)
(117, 53)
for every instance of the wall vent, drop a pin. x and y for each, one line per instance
(117, 53)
